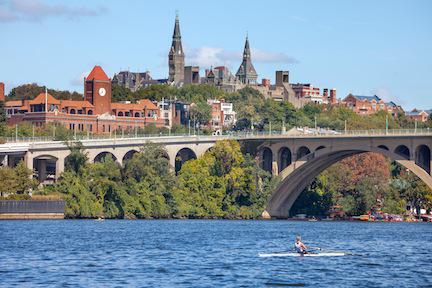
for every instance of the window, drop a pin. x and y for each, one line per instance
(120, 114)
(72, 111)
(90, 112)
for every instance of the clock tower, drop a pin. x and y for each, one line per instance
(97, 90)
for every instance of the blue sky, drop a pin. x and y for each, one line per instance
(362, 47)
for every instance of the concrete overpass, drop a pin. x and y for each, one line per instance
(297, 157)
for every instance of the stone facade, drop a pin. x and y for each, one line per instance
(176, 62)
(246, 72)
(131, 80)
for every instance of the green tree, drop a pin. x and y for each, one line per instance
(222, 183)
(77, 157)
(30, 91)
(200, 113)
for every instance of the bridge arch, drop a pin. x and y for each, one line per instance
(384, 147)
(284, 158)
(129, 155)
(423, 157)
(320, 147)
(266, 162)
(301, 152)
(45, 168)
(301, 173)
(102, 156)
(403, 151)
(183, 155)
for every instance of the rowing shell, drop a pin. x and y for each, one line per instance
(324, 254)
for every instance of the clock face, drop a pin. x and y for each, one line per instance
(102, 91)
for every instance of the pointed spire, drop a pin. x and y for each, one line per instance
(176, 56)
(246, 72)
(246, 52)
(176, 34)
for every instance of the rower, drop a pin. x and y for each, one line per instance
(299, 246)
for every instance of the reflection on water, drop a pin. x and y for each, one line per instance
(197, 253)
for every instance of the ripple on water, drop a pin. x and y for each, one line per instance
(211, 253)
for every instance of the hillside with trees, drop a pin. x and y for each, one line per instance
(205, 188)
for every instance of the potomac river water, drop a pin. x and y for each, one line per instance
(211, 253)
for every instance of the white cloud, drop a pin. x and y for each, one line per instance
(207, 56)
(36, 11)
(271, 57)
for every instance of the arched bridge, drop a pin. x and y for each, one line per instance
(297, 158)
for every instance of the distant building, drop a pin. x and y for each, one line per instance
(364, 105)
(95, 114)
(222, 115)
(417, 115)
(176, 63)
(2, 91)
(246, 72)
(222, 78)
(191, 75)
(181, 113)
(135, 80)
(310, 93)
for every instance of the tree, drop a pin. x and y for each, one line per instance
(414, 191)
(200, 114)
(30, 91)
(77, 157)
(2, 112)
(8, 184)
(222, 183)
(17, 180)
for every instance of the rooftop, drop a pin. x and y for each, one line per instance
(97, 74)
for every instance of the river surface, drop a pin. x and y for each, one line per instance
(199, 253)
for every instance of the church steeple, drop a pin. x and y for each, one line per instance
(246, 72)
(176, 56)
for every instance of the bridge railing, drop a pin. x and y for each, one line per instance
(298, 132)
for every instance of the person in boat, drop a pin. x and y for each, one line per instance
(299, 246)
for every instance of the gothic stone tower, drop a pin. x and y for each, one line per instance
(246, 72)
(176, 57)
(97, 90)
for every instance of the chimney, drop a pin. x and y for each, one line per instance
(333, 99)
(2, 92)
(266, 82)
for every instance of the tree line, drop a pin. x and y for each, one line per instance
(223, 183)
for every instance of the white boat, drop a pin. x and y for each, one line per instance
(294, 254)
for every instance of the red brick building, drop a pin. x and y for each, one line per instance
(366, 105)
(95, 114)
(417, 115)
(2, 91)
